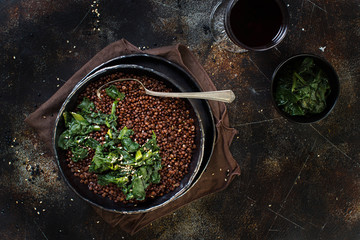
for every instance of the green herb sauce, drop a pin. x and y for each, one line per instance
(302, 88)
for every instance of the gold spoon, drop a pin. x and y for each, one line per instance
(223, 95)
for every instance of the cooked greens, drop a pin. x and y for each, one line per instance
(118, 159)
(302, 88)
(114, 93)
(130, 166)
(75, 137)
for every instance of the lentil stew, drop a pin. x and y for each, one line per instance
(173, 121)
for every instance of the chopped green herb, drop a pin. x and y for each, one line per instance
(125, 132)
(302, 88)
(113, 177)
(86, 105)
(114, 93)
(111, 119)
(119, 160)
(78, 117)
(75, 136)
(141, 163)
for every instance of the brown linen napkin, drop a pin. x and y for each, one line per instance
(222, 166)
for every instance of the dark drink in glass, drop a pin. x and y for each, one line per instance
(256, 24)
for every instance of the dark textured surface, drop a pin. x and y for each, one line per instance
(297, 182)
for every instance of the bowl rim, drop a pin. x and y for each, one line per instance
(335, 82)
(75, 89)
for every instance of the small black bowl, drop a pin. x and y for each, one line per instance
(331, 98)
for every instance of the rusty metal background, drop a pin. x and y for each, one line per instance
(297, 182)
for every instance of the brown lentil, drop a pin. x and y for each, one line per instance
(169, 118)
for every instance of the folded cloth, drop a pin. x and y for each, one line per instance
(222, 166)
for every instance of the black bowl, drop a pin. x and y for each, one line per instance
(198, 113)
(331, 99)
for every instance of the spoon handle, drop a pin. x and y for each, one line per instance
(223, 95)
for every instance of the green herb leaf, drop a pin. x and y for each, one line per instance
(67, 118)
(138, 188)
(100, 163)
(129, 145)
(86, 106)
(92, 143)
(125, 133)
(78, 117)
(114, 93)
(79, 153)
(113, 177)
(138, 155)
